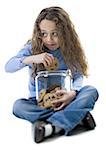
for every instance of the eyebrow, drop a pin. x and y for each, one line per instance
(42, 30)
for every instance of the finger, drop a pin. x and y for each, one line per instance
(47, 60)
(61, 91)
(58, 101)
(59, 108)
(55, 102)
(50, 56)
(47, 57)
(50, 59)
(45, 64)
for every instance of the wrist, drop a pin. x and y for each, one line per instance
(74, 92)
(29, 60)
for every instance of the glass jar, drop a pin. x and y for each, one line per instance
(50, 80)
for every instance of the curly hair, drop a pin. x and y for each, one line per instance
(71, 49)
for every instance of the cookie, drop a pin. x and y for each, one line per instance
(41, 95)
(46, 97)
(41, 104)
(52, 88)
(47, 100)
(54, 65)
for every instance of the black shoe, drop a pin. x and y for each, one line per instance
(89, 121)
(39, 131)
(39, 134)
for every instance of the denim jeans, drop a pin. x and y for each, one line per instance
(67, 119)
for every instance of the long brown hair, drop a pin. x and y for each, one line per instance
(70, 45)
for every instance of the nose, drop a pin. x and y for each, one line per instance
(49, 38)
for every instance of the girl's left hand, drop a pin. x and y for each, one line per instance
(66, 98)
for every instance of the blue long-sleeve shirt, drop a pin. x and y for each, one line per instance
(16, 63)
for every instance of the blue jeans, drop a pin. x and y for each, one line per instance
(68, 118)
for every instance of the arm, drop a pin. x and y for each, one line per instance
(16, 62)
(24, 58)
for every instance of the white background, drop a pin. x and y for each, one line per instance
(16, 24)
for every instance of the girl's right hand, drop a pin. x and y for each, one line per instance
(45, 58)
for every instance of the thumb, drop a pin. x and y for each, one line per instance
(60, 92)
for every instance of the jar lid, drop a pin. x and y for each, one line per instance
(57, 73)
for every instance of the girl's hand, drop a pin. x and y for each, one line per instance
(45, 58)
(66, 98)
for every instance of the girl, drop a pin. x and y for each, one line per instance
(53, 37)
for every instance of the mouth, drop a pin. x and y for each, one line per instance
(51, 45)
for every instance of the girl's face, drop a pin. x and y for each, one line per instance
(49, 34)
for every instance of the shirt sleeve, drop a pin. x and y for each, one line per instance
(16, 62)
(77, 81)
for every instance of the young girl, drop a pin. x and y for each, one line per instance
(53, 37)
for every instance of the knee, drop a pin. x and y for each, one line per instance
(92, 91)
(17, 107)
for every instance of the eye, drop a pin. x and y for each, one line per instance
(55, 34)
(44, 34)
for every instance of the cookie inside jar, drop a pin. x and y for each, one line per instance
(47, 96)
(48, 83)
